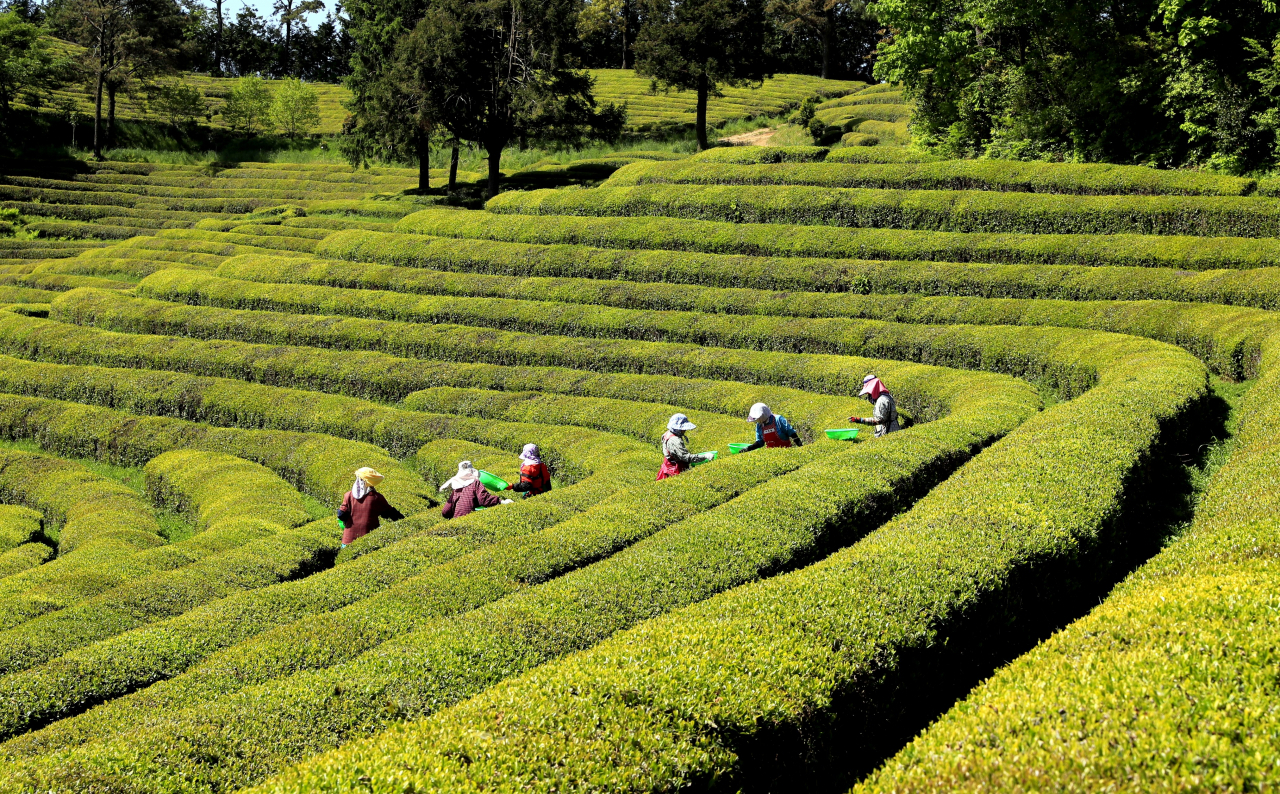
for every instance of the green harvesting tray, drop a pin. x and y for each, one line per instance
(714, 455)
(843, 434)
(734, 449)
(492, 481)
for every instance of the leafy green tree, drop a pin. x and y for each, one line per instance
(607, 19)
(179, 102)
(248, 107)
(497, 71)
(295, 110)
(29, 68)
(701, 45)
(390, 116)
(291, 13)
(125, 41)
(819, 17)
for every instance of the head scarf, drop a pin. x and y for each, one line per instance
(530, 454)
(679, 423)
(872, 387)
(759, 413)
(366, 480)
(466, 475)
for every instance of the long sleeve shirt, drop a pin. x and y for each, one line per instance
(464, 501)
(785, 432)
(359, 517)
(885, 415)
(675, 450)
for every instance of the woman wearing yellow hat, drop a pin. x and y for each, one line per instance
(363, 506)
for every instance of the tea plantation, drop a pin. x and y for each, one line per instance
(1060, 575)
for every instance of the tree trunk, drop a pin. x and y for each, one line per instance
(453, 169)
(495, 168)
(701, 120)
(111, 116)
(625, 22)
(217, 41)
(424, 162)
(828, 41)
(97, 115)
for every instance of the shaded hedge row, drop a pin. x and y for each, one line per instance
(763, 239)
(698, 695)
(934, 210)
(245, 517)
(1071, 178)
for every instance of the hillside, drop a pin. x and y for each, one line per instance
(1066, 551)
(648, 110)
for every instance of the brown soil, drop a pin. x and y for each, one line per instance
(758, 137)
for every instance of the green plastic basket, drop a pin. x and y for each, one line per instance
(734, 449)
(492, 481)
(714, 455)
(843, 434)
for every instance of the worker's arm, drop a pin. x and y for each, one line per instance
(675, 451)
(486, 499)
(787, 431)
(446, 510)
(344, 511)
(388, 512)
(759, 442)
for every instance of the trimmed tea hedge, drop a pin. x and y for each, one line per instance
(937, 210)
(421, 672)
(1071, 178)
(19, 525)
(28, 555)
(245, 516)
(759, 154)
(762, 239)
(678, 699)
(1198, 327)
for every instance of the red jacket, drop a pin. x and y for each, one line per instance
(464, 501)
(359, 517)
(535, 478)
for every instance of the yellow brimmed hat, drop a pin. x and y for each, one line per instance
(368, 476)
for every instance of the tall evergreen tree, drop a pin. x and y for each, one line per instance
(497, 71)
(701, 45)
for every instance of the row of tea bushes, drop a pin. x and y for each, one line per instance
(1161, 685)
(245, 518)
(764, 239)
(937, 210)
(675, 700)
(422, 671)
(1070, 178)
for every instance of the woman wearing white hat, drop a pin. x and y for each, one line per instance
(468, 493)
(771, 430)
(885, 414)
(363, 506)
(676, 457)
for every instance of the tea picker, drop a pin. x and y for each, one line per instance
(363, 506)
(885, 413)
(676, 457)
(772, 430)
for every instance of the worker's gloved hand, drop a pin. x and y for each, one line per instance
(706, 455)
(507, 502)
(508, 488)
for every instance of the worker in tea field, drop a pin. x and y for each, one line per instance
(363, 506)
(771, 430)
(535, 477)
(676, 457)
(468, 494)
(885, 414)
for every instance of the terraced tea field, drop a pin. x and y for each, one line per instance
(183, 411)
(648, 110)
